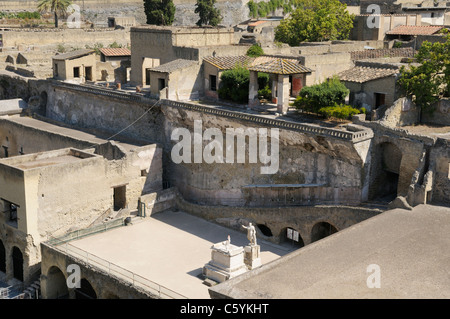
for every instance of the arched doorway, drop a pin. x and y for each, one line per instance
(56, 284)
(292, 237)
(17, 259)
(265, 230)
(85, 291)
(2, 257)
(322, 230)
(385, 172)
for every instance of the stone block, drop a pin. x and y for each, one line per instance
(227, 261)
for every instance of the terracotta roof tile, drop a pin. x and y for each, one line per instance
(362, 74)
(267, 64)
(229, 62)
(414, 30)
(281, 66)
(115, 51)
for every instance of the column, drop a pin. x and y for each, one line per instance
(253, 90)
(273, 78)
(283, 93)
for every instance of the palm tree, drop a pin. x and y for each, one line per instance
(58, 7)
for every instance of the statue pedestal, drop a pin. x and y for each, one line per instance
(252, 256)
(227, 261)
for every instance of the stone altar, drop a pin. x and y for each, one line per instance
(227, 261)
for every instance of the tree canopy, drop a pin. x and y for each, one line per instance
(58, 7)
(208, 13)
(427, 82)
(315, 20)
(159, 12)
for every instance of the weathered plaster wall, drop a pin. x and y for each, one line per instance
(20, 138)
(95, 111)
(303, 159)
(441, 114)
(440, 163)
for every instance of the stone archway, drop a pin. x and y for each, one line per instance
(291, 236)
(265, 230)
(86, 291)
(56, 285)
(321, 230)
(17, 262)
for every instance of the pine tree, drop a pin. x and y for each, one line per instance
(159, 12)
(209, 15)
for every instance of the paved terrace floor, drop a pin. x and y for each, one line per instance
(170, 249)
(411, 248)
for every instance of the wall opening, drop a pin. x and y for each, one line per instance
(43, 103)
(213, 82)
(5, 150)
(147, 76)
(17, 259)
(385, 171)
(265, 230)
(292, 236)
(85, 291)
(380, 99)
(88, 73)
(56, 284)
(10, 210)
(322, 230)
(161, 84)
(2, 257)
(76, 72)
(120, 197)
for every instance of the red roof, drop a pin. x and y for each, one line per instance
(414, 30)
(256, 23)
(115, 51)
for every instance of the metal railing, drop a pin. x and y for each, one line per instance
(62, 244)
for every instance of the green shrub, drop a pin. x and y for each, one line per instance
(255, 51)
(313, 98)
(234, 85)
(266, 93)
(339, 111)
(61, 48)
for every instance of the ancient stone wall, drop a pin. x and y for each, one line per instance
(66, 37)
(303, 159)
(278, 219)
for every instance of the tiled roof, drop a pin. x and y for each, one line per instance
(256, 23)
(173, 66)
(362, 74)
(268, 64)
(115, 51)
(281, 66)
(414, 30)
(229, 62)
(73, 54)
